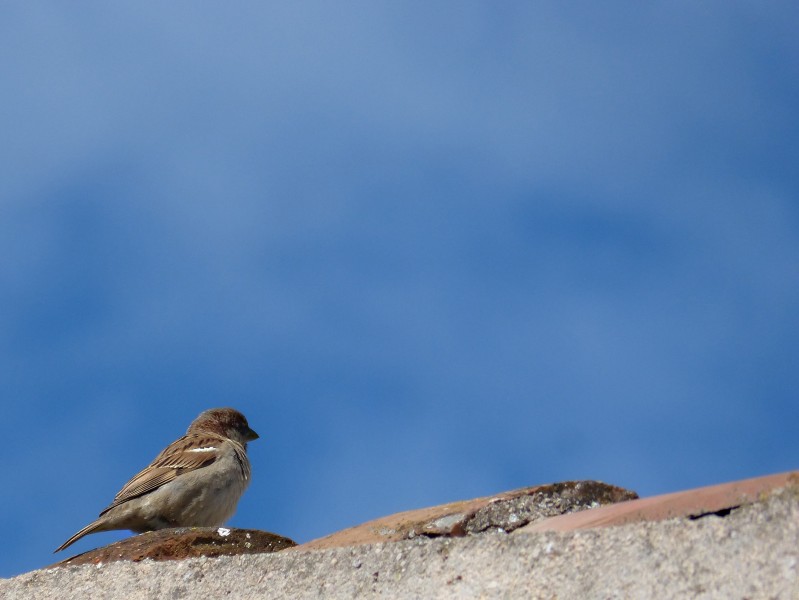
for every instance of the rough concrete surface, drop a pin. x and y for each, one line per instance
(752, 552)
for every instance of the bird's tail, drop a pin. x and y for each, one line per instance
(92, 527)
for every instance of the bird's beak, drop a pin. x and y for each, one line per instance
(251, 435)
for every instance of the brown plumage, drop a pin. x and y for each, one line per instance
(196, 481)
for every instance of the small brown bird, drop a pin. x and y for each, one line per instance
(196, 481)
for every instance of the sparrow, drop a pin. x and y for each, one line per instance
(196, 481)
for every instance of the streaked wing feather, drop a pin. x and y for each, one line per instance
(173, 461)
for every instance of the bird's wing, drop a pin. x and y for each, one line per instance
(189, 453)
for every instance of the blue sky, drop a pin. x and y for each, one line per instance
(432, 252)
